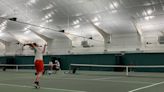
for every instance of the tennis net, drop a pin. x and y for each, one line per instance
(125, 70)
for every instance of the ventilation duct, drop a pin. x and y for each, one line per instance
(161, 39)
(85, 44)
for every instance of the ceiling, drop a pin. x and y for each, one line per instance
(47, 17)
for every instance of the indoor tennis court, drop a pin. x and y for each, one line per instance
(85, 81)
(81, 45)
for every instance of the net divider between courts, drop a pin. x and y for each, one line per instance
(115, 66)
(19, 65)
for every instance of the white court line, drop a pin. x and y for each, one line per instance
(119, 81)
(100, 79)
(24, 86)
(106, 78)
(141, 88)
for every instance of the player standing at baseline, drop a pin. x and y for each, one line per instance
(38, 61)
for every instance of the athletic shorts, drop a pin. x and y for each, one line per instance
(39, 66)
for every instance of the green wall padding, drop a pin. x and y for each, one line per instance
(103, 59)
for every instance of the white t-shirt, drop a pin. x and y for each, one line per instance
(38, 53)
(57, 63)
(50, 63)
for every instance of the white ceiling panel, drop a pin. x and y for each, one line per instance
(74, 16)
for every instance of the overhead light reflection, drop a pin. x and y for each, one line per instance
(50, 6)
(31, 2)
(1, 34)
(27, 32)
(76, 22)
(97, 23)
(76, 26)
(111, 6)
(149, 17)
(42, 30)
(26, 28)
(115, 4)
(3, 25)
(95, 19)
(149, 11)
(148, 14)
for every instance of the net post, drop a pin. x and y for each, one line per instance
(17, 67)
(70, 68)
(127, 71)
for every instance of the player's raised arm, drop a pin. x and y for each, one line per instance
(44, 48)
(32, 45)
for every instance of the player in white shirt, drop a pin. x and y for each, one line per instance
(56, 66)
(50, 67)
(38, 61)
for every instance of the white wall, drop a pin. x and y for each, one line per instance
(119, 42)
(124, 42)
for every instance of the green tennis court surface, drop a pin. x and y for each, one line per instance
(61, 82)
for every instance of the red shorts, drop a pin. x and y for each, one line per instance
(39, 66)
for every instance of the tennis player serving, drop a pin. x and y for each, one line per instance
(38, 61)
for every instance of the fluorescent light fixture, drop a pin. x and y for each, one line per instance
(115, 4)
(50, 6)
(149, 17)
(111, 6)
(76, 22)
(46, 16)
(3, 25)
(26, 28)
(42, 30)
(33, 1)
(149, 11)
(97, 23)
(49, 14)
(49, 20)
(27, 32)
(2, 28)
(95, 19)
(144, 13)
(76, 26)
